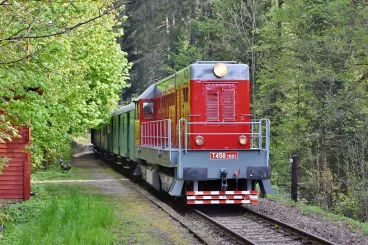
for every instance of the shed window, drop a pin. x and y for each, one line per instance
(148, 110)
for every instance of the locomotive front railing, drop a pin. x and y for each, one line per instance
(157, 134)
(259, 133)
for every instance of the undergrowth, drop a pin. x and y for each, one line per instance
(59, 214)
(307, 208)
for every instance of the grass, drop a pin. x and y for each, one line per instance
(61, 214)
(144, 224)
(54, 172)
(75, 214)
(312, 209)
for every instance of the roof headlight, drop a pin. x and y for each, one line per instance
(220, 70)
(243, 140)
(199, 140)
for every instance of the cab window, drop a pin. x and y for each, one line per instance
(148, 110)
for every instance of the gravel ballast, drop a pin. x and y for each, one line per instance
(335, 231)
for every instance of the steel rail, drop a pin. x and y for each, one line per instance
(302, 233)
(238, 236)
(293, 228)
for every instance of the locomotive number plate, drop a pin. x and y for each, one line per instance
(223, 155)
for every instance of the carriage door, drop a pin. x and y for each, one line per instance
(220, 102)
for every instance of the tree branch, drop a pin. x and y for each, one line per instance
(67, 29)
(23, 29)
(20, 59)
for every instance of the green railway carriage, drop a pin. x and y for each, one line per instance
(123, 128)
(119, 135)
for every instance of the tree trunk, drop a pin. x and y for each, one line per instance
(193, 17)
(325, 171)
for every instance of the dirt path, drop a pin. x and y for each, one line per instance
(150, 223)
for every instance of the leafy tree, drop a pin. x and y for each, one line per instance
(68, 50)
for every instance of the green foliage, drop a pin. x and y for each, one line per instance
(73, 57)
(24, 212)
(66, 217)
(3, 162)
(183, 54)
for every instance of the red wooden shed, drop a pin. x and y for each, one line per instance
(15, 181)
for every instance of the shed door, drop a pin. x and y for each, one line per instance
(220, 102)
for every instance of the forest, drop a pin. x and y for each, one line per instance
(309, 75)
(307, 59)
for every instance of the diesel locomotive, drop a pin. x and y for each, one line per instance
(192, 135)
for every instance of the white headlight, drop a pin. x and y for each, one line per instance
(220, 70)
(243, 140)
(199, 140)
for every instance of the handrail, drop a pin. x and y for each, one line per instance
(179, 168)
(157, 134)
(268, 133)
(254, 134)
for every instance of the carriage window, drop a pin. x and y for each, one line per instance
(148, 110)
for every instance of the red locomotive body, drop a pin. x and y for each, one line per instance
(216, 107)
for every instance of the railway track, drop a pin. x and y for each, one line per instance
(250, 227)
(234, 224)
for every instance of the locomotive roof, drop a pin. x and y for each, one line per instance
(123, 109)
(201, 70)
(150, 92)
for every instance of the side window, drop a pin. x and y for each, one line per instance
(186, 94)
(148, 110)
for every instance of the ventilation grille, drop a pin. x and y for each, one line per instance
(228, 101)
(212, 106)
